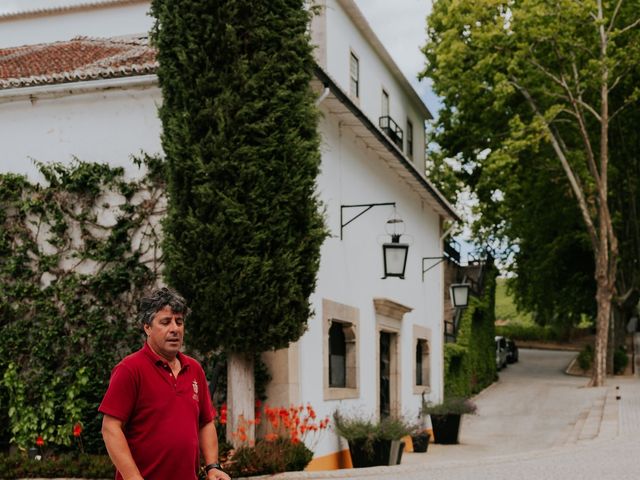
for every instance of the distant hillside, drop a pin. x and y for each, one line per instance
(506, 311)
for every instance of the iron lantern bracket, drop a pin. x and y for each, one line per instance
(365, 206)
(438, 261)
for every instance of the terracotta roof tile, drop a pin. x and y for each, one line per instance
(74, 60)
(61, 7)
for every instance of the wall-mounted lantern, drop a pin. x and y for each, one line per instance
(394, 253)
(459, 293)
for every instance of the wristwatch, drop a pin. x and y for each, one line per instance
(211, 466)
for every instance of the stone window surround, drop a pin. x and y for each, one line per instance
(421, 333)
(350, 317)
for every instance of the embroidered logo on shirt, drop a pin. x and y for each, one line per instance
(195, 390)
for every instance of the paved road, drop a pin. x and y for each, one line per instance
(535, 423)
(533, 406)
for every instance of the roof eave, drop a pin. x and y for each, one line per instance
(387, 149)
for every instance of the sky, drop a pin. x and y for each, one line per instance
(401, 27)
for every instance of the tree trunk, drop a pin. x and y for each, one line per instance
(603, 297)
(240, 399)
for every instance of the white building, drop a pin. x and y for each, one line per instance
(375, 345)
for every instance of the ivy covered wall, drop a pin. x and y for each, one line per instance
(75, 254)
(470, 363)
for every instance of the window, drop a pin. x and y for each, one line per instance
(422, 362)
(354, 75)
(385, 103)
(340, 350)
(409, 139)
(337, 356)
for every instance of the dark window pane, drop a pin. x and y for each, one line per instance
(419, 363)
(337, 356)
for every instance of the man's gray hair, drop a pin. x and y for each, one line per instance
(156, 300)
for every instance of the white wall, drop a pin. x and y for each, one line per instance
(104, 127)
(99, 22)
(342, 37)
(351, 271)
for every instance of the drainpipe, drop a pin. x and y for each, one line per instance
(324, 95)
(447, 232)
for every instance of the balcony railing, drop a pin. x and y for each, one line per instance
(393, 131)
(452, 250)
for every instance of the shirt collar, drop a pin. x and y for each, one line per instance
(158, 360)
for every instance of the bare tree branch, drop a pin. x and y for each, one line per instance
(577, 104)
(616, 112)
(574, 181)
(629, 27)
(613, 17)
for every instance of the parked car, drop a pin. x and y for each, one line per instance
(501, 352)
(512, 351)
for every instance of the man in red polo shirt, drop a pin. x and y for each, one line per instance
(157, 409)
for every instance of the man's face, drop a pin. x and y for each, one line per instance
(166, 332)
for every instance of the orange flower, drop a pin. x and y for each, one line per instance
(310, 411)
(77, 430)
(40, 441)
(223, 414)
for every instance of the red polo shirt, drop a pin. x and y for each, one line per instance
(162, 414)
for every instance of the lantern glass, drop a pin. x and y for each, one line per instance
(395, 259)
(459, 293)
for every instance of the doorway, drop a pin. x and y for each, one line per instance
(388, 373)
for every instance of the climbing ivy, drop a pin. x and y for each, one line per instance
(75, 254)
(470, 363)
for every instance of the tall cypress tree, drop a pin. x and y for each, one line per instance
(244, 229)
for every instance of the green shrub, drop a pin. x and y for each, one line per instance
(357, 427)
(269, 457)
(539, 333)
(450, 405)
(585, 358)
(470, 363)
(530, 332)
(363, 428)
(68, 465)
(620, 360)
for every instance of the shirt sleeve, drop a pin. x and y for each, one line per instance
(206, 413)
(121, 395)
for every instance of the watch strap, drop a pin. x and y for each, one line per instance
(211, 466)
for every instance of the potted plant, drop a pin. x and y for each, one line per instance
(445, 417)
(372, 442)
(420, 436)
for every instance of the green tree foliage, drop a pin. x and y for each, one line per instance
(70, 272)
(243, 231)
(530, 91)
(554, 263)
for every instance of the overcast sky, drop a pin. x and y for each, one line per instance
(400, 25)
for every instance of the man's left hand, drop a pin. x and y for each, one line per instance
(215, 474)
